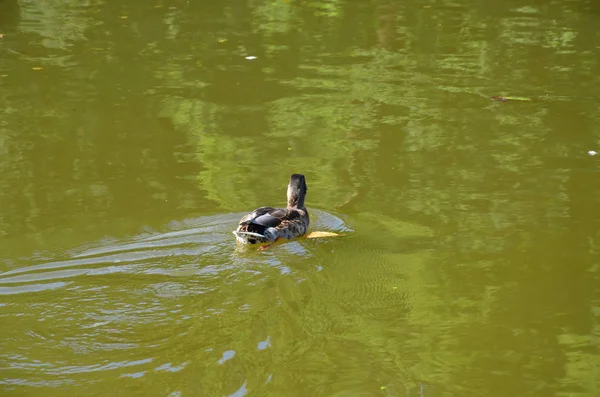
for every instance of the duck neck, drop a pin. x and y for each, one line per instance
(295, 199)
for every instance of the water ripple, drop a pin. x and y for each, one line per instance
(131, 305)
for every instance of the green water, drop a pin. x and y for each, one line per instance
(135, 134)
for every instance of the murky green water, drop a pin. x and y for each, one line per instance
(135, 134)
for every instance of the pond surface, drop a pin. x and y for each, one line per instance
(135, 134)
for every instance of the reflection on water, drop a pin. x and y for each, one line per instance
(468, 261)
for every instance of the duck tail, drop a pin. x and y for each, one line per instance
(245, 234)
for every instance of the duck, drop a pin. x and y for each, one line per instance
(266, 225)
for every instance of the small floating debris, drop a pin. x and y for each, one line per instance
(510, 98)
(321, 234)
(37, 68)
(592, 152)
(250, 57)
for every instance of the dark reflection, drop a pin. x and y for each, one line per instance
(9, 16)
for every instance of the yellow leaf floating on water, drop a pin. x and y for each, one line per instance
(321, 234)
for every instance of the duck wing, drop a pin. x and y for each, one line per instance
(268, 216)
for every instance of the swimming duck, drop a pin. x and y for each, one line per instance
(268, 224)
